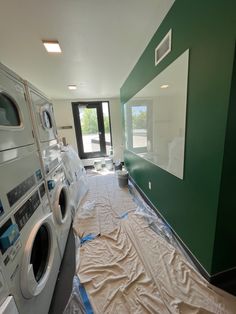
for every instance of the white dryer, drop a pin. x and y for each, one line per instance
(20, 172)
(58, 193)
(30, 253)
(50, 155)
(15, 124)
(43, 114)
(44, 125)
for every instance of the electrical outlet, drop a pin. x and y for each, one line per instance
(150, 185)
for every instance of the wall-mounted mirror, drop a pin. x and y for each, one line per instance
(155, 118)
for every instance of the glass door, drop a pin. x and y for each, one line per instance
(92, 127)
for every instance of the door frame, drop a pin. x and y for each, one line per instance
(101, 128)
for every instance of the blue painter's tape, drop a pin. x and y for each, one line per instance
(85, 299)
(88, 237)
(124, 216)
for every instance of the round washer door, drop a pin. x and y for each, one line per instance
(61, 204)
(47, 122)
(38, 257)
(15, 123)
(9, 111)
(46, 119)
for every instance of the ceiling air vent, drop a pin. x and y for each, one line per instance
(163, 48)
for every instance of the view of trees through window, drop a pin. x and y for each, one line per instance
(90, 122)
(139, 125)
(139, 117)
(94, 135)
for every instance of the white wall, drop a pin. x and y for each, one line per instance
(64, 117)
(116, 129)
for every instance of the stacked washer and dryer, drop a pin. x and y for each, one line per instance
(53, 168)
(34, 210)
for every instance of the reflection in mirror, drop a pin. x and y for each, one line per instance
(155, 118)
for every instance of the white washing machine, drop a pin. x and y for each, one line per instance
(20, 172)
(7, 302)
(59, 198)
(15, 124)
(9, 306)
(76, 176)
(30, 253)
(4, 292)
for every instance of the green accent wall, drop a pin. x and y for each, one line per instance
(224, 249)
(195, 207)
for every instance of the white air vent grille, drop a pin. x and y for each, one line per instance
(163, 48)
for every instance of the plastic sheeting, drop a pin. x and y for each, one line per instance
(135, 265)
(76, 176)
(155, 222)
(75, 304)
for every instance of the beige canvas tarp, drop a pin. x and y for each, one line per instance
(128, 268)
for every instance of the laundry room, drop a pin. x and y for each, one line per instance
(117, 157)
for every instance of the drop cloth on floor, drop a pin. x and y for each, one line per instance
(104, 204)
(128, 268)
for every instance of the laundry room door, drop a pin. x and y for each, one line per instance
(92, 119)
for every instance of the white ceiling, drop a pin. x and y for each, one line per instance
(101, 41)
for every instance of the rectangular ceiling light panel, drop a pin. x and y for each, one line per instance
(52, 46)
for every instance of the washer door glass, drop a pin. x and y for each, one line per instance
(9, 115)
(63, 202)
(47, 121)
(40, 253)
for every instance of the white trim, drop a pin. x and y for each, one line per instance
(169, 34)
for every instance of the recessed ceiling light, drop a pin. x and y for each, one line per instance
(72, 87)
(164, 86)
(52, 46)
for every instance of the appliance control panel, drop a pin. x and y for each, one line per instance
(42, 190)
(15, 194)
(26, 210)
